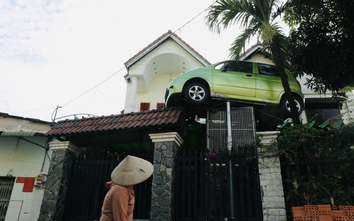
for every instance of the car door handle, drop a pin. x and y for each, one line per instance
(248, 75)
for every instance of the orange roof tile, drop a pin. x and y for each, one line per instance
(116, 122)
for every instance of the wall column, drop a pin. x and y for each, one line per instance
(166, 145)
(57, 181)
(133, 92)
(273, 202)
(347, 110)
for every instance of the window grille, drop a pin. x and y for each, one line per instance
(160, 106)
(242, 128)
(144, 106)
(6, 185)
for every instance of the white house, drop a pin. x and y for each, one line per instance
(24, 160)
(151, 69)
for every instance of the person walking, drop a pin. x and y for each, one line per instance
(118, 204)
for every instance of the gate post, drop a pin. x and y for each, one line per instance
(56, 185)
(165, 150)
(273, 202)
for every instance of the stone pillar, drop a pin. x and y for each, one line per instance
(166, 145)
(273, 201)
(56, 185)
(347, 109)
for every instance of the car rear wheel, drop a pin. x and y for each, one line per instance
(196, 93)
(285, 105)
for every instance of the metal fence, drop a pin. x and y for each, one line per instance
(202, 188)
(86, 190)
(320, 181)
(210, 181)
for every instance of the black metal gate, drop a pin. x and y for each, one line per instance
(86, 189)
(201, 187)
(212, 182)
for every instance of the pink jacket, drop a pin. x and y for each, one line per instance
(118, 204)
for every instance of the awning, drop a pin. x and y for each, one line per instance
(20, 134)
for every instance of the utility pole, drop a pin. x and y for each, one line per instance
(230, 172)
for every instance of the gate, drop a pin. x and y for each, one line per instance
(210, 183)
(86, 189)
(202, 192)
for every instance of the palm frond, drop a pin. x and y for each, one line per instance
(238, 46)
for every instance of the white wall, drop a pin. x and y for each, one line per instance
(20, 158)
(154, 71)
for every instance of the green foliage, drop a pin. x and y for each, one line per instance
(321, 161)
(305, 143)
(321, 42)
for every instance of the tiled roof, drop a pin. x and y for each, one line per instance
(158, 41)
(6, 115)
(250, 51)
(116, 122)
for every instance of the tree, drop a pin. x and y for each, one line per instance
(321, 42)
(258, 18)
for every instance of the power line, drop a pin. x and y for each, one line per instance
(93, 87)
(179, 29)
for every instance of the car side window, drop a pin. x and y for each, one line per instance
(266, 69)
(237, 66)
(241, 66)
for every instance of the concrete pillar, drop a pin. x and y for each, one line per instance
(134, 88)
(347, 110)
(166, 145)
(273, 202)
(52, 208)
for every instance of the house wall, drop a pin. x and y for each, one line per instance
(260, 59)
(154, 71)
(157, 89)
(23, 160)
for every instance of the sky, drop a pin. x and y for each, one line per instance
(69, 55)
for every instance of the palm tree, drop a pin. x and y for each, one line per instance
(258, 18)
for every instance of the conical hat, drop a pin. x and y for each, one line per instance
(132, 170)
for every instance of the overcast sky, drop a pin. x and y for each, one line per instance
(71, 53)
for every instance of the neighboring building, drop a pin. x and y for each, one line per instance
(23, 166)
(150, 71)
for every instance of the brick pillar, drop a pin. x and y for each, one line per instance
(57, 181)
(273, 201)
(166, 145)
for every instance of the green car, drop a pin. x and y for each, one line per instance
(246, 82)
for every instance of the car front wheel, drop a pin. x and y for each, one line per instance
(285, 105)
(196, 93)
